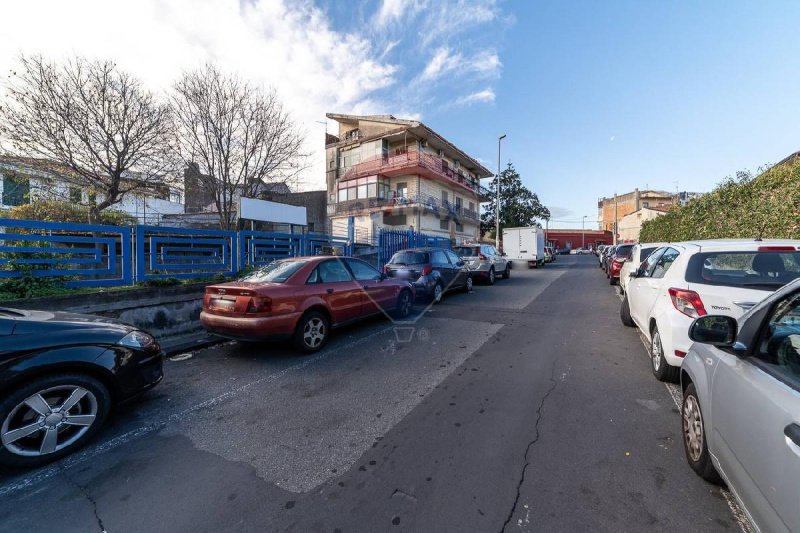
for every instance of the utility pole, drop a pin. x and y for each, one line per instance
(497, 200)
(615, 219)
(583, 232)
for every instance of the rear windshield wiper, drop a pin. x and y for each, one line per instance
(777, 284)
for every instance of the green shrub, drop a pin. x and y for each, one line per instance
(59, 211)
(29, 286)
(741, 207)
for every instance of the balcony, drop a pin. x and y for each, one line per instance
(428, 203)
(414, 162)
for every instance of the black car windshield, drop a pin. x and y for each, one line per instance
(767, 269)
(275, 272)
(409, 258)
(467, 251)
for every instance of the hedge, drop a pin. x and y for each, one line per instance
(60, 211)
(744, 207)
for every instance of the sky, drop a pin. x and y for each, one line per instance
(595, 98)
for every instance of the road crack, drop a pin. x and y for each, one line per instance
(552, 387)
(88, 497)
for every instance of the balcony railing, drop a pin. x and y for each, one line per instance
(427, 202)
(411, 159)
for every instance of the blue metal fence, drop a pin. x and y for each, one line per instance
(392, 241)
(88, 255)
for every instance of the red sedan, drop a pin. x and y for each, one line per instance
(302, 298)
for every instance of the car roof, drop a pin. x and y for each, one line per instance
(718, 245)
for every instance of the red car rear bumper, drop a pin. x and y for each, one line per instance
(251, 328)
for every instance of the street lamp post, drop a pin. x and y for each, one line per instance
(583, 232)
(497, 200)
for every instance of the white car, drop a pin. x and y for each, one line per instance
(682, 281)
(639, 253)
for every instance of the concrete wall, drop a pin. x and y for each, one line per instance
(166, 312)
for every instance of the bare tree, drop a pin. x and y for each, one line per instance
(111, 134)
(239, 135)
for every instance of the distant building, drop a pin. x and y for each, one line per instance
(392, 173)
(625, 204)
(571, 239)
(631, 224)
(24, 180)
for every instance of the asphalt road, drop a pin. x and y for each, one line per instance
(522, 406)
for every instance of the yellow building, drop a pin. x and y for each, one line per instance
(392, 173)
(631, 224)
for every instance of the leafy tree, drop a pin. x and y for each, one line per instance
(519, 206)
(94, 122)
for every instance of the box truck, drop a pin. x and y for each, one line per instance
(524, 246)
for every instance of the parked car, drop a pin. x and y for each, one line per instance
(549, 257)
(303, 299)
(622, 254)
(60, 376)
(741, 407)
(599, 250)
(432, 271)
(639, 253)
(682, 281)
(484, 261)
(605, 258)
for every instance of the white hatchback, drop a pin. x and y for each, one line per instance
(639, 253)
(682, 281)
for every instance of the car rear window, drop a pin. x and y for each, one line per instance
(623, 251)
(409, 258)
(769, 270)
(467, 251)
(275, 272)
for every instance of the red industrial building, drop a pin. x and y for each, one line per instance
(576, 238)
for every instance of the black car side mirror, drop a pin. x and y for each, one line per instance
(460, 264)
(716, 330)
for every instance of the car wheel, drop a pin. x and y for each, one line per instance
(625, 313)
(404, 303)
(438, 292)
(507, 271)
(662, 370)
(612, 280)
(50, 417)
(491, 277)
(694, 437)
(312, 332)
(468, 284)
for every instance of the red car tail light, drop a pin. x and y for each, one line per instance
(259, 304)
(687, 302)
(680, 353)
(385, 269)
(427, 269)
(776, 248)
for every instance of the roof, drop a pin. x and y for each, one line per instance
(405, 124)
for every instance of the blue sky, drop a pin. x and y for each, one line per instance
(603, 97)
(596, 97)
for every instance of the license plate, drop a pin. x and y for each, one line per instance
(225, 305)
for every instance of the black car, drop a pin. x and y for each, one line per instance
(60, 375)
(432, 271)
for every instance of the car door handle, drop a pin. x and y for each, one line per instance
(792, 431)
(329, 291)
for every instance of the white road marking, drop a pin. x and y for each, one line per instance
(81, 457)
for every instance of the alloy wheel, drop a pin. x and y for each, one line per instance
(491, 276)
(437, 293)
(693, 428)
(469, 284)
(405, 304)
(655, 351)
(314, 332)
(49, 421)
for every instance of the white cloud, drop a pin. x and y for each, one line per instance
(444, 61)
(450, 17)
(290, 46)
(485, 96)
(394, 10)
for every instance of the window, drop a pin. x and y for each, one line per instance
(766, 269)
(16, 190)
(362, 271)
(454, 259)
(467, 251)
(444, 223)
(780, 345)
(75, 195)
(438, 258)
(650, 263)
(342, 195)
(445, 202)
(409, 258)
(664, 263)
(458, 202)
(310, 227)
(275, 272)
(459, 226)
(332, 271)
(402, 189)
(362, 191)
(394, 220)
(645, 204)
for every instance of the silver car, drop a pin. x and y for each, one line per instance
(485, 262)
(741, 407)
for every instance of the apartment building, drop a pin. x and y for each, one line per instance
(392, 173)
(624, 204)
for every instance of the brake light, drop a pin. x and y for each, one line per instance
(482, 257)
(687, 302)
(259, 304)
(385, 269)
(680, 353)
(776, 248)
(427, 269)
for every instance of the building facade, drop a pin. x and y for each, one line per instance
(570, 239)
(614, 208)
(630, 226)
(392, 173)
(24, 180)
